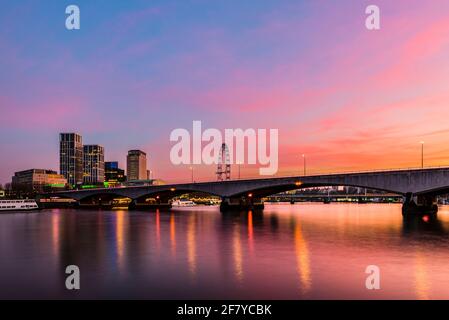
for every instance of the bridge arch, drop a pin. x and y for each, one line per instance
(170, 193)
(102, 195)
(435, 191)
(266, 191)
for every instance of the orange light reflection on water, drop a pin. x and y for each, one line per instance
(191, 245)
(302, 260)
(172, 234)
(237, 250)
(120, 231)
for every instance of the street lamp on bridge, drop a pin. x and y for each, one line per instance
(422, 154)
(304, 163)
(239, 163)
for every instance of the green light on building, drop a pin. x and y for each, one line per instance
(56, 185)
(88, 187)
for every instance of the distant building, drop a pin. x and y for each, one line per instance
(113, 174)
(136, 165)
(141, 183)
(37, 180)
(93, 164)
(71, 157)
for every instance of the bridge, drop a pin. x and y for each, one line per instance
(419, 187)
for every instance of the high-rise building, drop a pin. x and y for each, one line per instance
(37, 180)
(93, 164)
(71, 157)
(136, 165)
(113, 174)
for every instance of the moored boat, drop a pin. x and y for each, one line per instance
(183, 203)
(18, 205)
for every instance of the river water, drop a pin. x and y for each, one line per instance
(301, 251)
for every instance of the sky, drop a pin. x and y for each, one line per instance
(347, 97)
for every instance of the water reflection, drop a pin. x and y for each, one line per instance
(421, 232)
(200, 253)
(429, 224)
(302, 259)
(422, 282)
(172, 234)
(55, 233)
(250, 233)
(158, 229)
(120, 225)
(191, 245)
(237, 248)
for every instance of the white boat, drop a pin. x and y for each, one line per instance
(18, 205)
(183, 203)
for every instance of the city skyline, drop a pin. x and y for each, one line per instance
(84, 164)
(135, 72)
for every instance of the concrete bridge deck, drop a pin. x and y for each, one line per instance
(420, 186)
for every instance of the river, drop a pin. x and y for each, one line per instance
(301, 251)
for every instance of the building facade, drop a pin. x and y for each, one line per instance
(136, 165)
(37, 180)
(113, 174)
(93, 164)
(71, 157)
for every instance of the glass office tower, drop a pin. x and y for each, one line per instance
(93, 164)
(71, 157)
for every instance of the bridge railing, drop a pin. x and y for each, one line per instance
(326, 173)
(290, 174)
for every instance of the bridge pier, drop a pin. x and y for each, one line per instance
(94, 205)
(241, 204)
(136, 205)
(99, 202)
(419, 205)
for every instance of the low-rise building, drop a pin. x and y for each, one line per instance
(37, 180)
